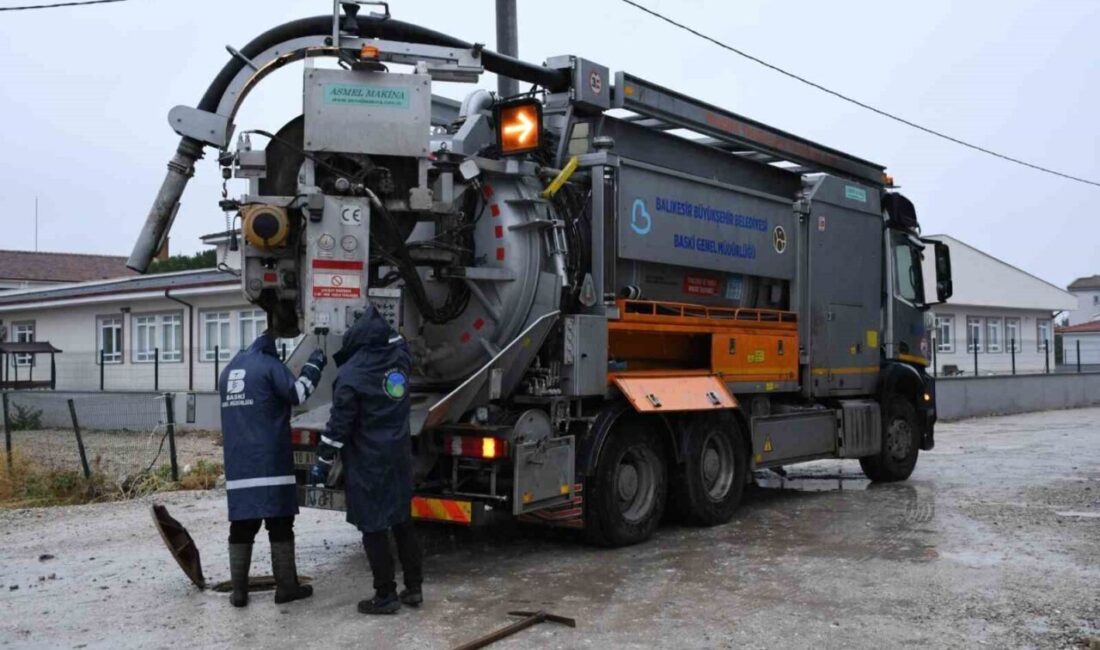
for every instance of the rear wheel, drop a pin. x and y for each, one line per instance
(625, 499)
(900, 444)
(711, 479)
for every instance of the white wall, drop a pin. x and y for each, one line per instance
(1088, 306)
(1029, 354)
(73, 329)
(1090, 348)
(12, 285)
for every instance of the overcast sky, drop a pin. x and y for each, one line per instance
(86, 91)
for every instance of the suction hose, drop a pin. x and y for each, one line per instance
(182, 165)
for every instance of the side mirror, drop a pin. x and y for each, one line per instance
(944, 287)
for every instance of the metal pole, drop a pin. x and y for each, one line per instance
(7, 432)
(1014, 356)
(1078, 353)
(284, 352)
(79, 441)
(101, 358)
(217, 363)
(934, 346)
(53, 371)
(170, 425)
(975, 359)
(156, 369)
(1046, 352)
(507, 43)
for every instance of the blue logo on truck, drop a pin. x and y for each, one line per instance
(640, 221)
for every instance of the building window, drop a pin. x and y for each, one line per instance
(109, 339)
(993, 334)
(1043, 328)
(973, 335)
(251, 323)
(215, 329)
(23, 333)
(1012, 334)
(158, 332)
(945, 334)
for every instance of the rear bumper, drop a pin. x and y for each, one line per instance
(462, 512)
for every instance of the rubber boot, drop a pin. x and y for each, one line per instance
(380, 604)
(240, 561)
(411, 596)
(287, 588)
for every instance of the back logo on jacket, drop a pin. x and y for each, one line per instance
(234, 389)
(394, 384)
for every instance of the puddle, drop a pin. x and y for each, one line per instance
(1073, 513)
(811, 483)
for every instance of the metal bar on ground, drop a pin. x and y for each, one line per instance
(975, 359)
(1046, 353)
(170, 425)
(79, 441)
(1078, 354)
(531, 619)
(156, 369)
(217, 362)
(1013, 356)
(53, 371)
(101, 358)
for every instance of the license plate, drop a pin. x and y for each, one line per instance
(315, 497)
(305, 458)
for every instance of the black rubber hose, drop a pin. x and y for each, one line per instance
(389, 29)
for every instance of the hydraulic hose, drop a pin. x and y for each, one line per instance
(181, 167)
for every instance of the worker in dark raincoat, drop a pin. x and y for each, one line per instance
(369, 426)
(257, 394)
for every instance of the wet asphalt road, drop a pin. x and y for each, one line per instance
(995, 541)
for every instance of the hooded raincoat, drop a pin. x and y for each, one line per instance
(369, 423)
(257, 393)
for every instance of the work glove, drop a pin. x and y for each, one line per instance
(318, 474)
(318, 359)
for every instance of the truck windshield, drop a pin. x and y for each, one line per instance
(908, 278)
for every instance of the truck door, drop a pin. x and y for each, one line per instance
(909, 335)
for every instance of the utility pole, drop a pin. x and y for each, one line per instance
(507, 43)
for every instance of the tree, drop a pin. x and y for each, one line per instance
(204, 260)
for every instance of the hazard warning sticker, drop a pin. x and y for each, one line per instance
(701, 286)
(337, 279)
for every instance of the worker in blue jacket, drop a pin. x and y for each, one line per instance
(369, 425)
(257, 394)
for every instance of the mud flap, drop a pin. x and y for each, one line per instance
(179, 544)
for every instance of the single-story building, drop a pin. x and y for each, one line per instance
(30, 269)
(1087, 336)
(168, 331)
(1002, 313)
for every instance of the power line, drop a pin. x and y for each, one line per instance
(60, 4)
(851, 100)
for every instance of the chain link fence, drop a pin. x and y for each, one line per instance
(116, 443)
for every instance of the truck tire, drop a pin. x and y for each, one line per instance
(711, 479)
(900, 444)
(625, 498)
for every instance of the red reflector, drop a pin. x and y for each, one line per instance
(303, 437)
(485, 447)
(270, 277)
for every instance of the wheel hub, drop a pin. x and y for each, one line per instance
(899, 439)
(711, 464)
(628, 482)
(716, 467)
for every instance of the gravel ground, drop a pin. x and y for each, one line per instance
(993, 542)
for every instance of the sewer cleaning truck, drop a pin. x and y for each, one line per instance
(621, 300)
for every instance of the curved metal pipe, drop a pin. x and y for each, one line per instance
(181, 166)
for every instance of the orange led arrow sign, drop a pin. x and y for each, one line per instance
(519, 126)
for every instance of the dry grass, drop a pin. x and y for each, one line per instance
(26, 484)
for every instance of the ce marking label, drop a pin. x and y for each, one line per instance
(351, 216)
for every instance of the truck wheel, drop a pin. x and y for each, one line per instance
(625, 499)
(900, 444)
(712, 476)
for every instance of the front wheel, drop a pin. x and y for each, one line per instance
(900, 444)
(625, 499)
